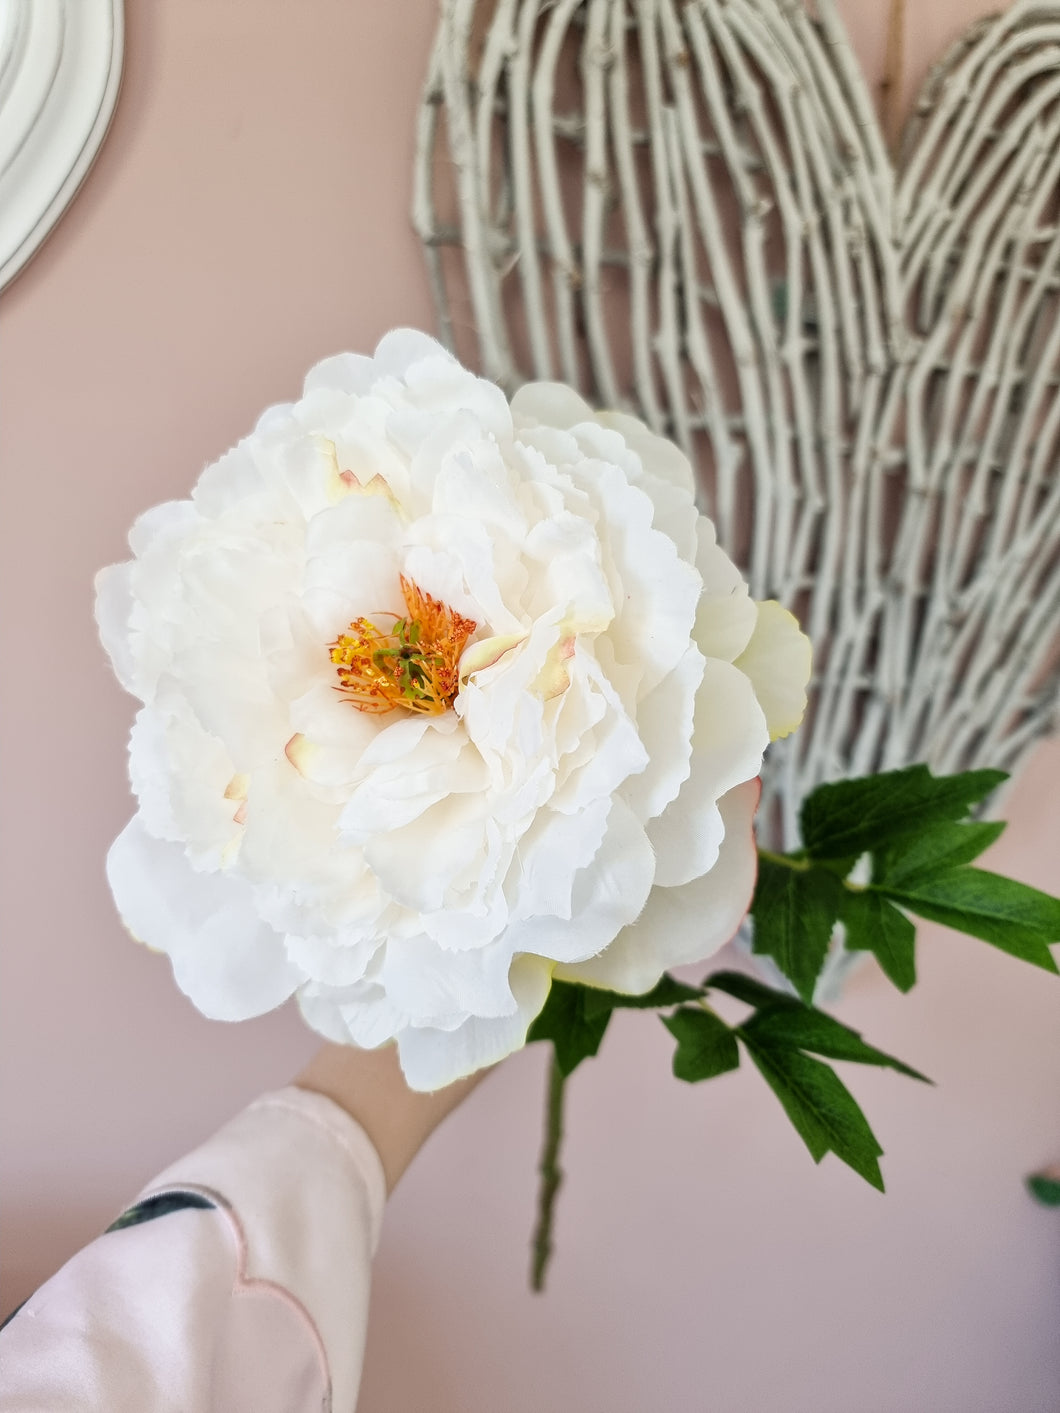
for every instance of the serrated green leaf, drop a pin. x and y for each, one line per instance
(747, 989)
(706, 1046)
(824, 1112)
(565, 1021)
(667, 992)
(1010, 915)
(795, 912)
(806, 1028)
(942, 847)
(875, 925)
(575, 1017)
(849, 817)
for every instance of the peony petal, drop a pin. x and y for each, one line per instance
(164, 524)
(686, 924)
(114, 614)
(479, 489)
(658, 456)
(363, 580)
(552, 853)
(332, 960)
(726, 615)
(322, 1013)
(664, 722)
(225, 959)
(730, 736)
(348, 372)
(485, 653)
(417, 862)
(440, 988)
(237, 481)
(401, 349)
(356, 1015)
(485, 573)
(550, 405)
(431, 1059)
(607, 896)
(655, 466)
(569, 573)
(618, 753)
(181, 777)
(231, 696)
(778, 660)
(391, 795)
(656, 607)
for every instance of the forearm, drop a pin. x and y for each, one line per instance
(369, 1085)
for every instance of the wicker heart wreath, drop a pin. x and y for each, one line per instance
(861, 355)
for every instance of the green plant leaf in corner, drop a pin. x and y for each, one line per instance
(795, 911)
(706, 1046)
(1045, 1188)
(875, 925)
(851, 817)
(823, 1110)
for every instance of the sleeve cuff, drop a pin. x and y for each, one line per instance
(305, 1190)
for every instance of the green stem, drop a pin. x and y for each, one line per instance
(551, 1176)
(785, 860)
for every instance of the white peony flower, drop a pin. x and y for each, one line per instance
(443, 697)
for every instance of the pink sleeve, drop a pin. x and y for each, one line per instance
(257, 1301)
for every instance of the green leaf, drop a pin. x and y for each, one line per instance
(823, 1110)
(1010, 915)
(575, 1017)
(795, 912)
(747, 989)
(850, 817)
(566, 1021)
(706, 1046)
(942, 847)
(805, 1028)
(667, 992)
(875, 925)
(1046, 1188)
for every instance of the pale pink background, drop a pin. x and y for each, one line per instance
(247, 216)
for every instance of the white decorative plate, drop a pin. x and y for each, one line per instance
(60, 71)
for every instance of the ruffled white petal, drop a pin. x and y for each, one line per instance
(665, 720)
(777, 660)
(606, 896)
(730, 737)
(549, 405)
(687, 924)
(432, 1059)
(225, 959)
(114, 615)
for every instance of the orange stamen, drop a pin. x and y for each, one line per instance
(414, 664)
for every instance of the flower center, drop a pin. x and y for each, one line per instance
(413, 664)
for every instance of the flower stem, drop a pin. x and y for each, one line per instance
(784, 861)
(551, 1176)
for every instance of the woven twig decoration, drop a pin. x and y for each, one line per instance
(863, 363)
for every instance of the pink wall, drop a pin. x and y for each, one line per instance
(247, 216)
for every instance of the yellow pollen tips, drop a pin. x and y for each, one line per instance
(412, 664)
